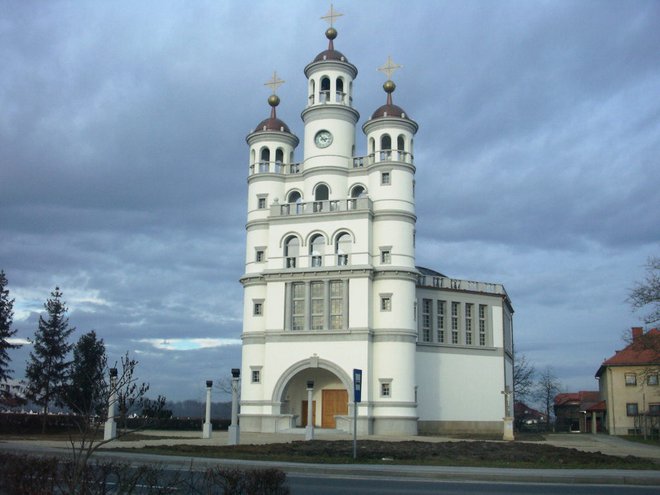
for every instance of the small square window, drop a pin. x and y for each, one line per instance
(631, 409)
(631, 379)
(385, 178)
(256, 376)
(260, 257)
(385, 257)
(386, 389)
(261, 203)
(258, 309)
(652, 379)
(386, 303)
(654, 409)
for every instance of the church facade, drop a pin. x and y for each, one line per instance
(331, 284)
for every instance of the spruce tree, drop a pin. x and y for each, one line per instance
(87, 388)
(6, 332)
(48, 368)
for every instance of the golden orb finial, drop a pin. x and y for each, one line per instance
(331, 33)
(273, 100)
(389, 86)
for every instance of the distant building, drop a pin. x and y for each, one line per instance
(528, 418)
(628, 383)
(575, 412)
(331, 284)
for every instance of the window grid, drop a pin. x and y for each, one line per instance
(298, 306)
(385, 257)
(318, 305)
(336, 304)
(468, 323)
(482, 324)
(631, 379)
(386, 303)
(385, 389)
(426, 320)
(441, 307)
(256, 376)
(385, 178)
(454, 322)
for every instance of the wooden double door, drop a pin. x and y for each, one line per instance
(333, 402)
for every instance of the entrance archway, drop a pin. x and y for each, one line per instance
(330, 396)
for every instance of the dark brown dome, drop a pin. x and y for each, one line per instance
(272, 124)
(330, 55)
(390, 110)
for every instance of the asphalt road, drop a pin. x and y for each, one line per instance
(333, 485)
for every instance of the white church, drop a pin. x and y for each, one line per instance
(331, 283)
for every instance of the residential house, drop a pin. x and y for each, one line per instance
(628, 383)
(575, 411)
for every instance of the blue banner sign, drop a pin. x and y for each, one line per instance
(357, 386)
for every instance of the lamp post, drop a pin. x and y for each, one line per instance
(208, 427)
(234, 429)
(309, 430)
(110, 430)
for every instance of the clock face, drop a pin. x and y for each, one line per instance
(323, 139)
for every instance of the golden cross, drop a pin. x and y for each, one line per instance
(274, 83)
(389, 68)
(331, 15)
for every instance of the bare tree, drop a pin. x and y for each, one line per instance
(524, 375)
(131, 393)
(646, 294)
(547, 388)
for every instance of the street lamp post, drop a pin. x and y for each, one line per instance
(234, 428)
(110, 430)
(309, 430)
(208, 427)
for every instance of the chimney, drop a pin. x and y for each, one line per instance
(637, 332)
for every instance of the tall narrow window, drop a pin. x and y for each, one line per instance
(279, 159)
(261, 203)
(316, 248)
(336, 304)
(318, 305)
(385, 147)
(454, 322)
(468, 323)
(291, 248)
(426, 319)
(386, 302)
(321, 194)
(264, 161)
(298, 306)
(343, 246)
(442, 308)
(325, 90)
(340, 90)
(482, 324)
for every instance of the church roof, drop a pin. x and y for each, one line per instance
(330, 55)
(389, 110)
(272, 124)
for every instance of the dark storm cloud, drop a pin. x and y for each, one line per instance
(123, 161)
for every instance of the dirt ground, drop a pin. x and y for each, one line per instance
(455, 453)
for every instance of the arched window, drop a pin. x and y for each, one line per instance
(279, 159)
(340, 90)
(264, 160)
(294, 197)
(401, 147)
(372, 146)
(385, 147)
(358, 192)
(316, 249)
(291, 249)
(321, 194)
(325, 90)
(343, 246)
(253, 155)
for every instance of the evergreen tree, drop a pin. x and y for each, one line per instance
(6, 332)
(87, 387)
(47, 368)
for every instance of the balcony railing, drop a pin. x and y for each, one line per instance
(327, 97)
(467, 285)
(314, 207)
(265, 167)
(382, 156)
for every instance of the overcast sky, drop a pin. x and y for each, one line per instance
(123, 161)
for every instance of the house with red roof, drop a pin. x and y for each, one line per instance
(628, 385)
(574, 412)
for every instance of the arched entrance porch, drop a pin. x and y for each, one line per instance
(330, 397)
